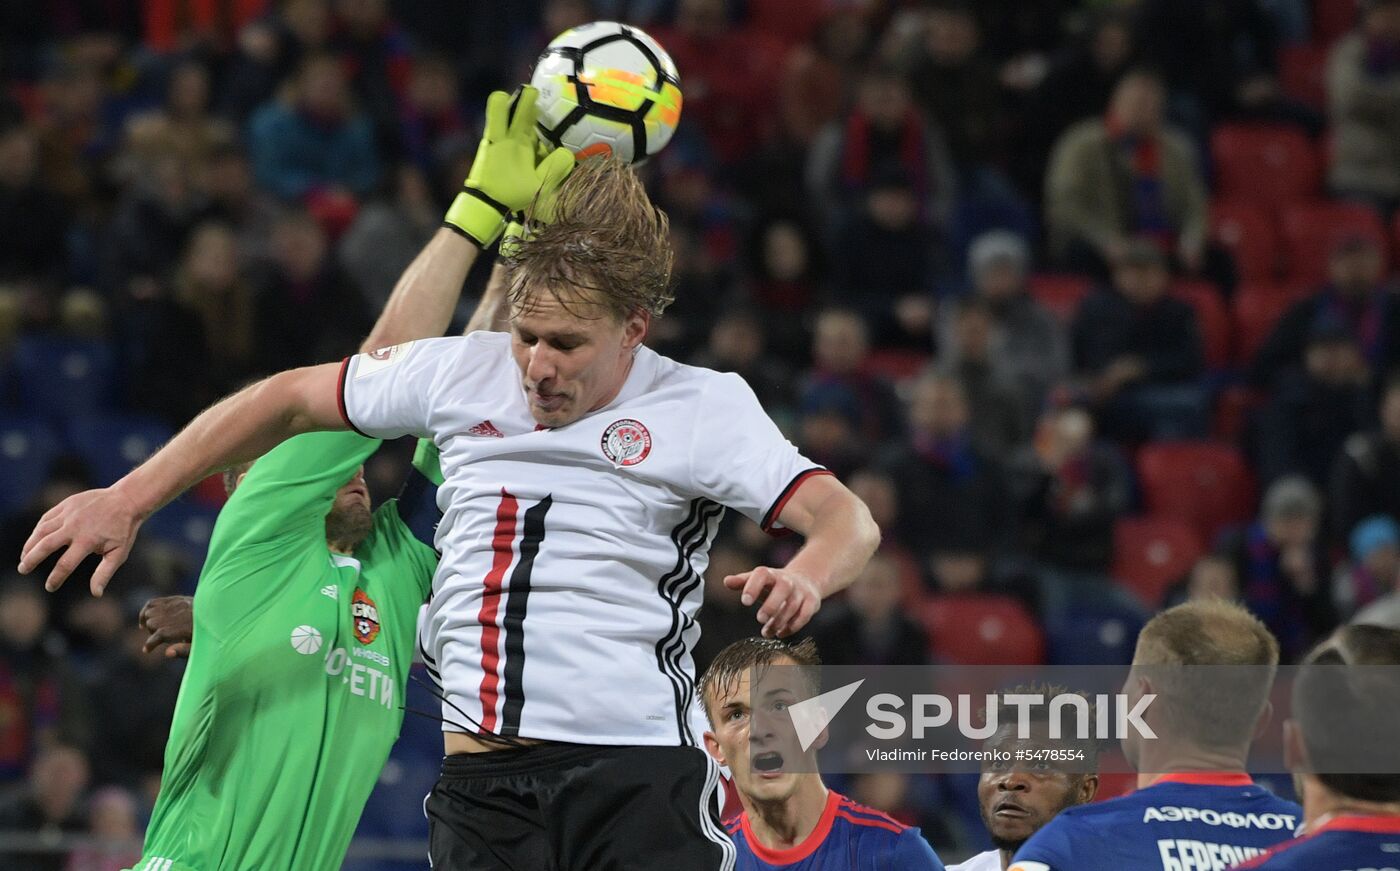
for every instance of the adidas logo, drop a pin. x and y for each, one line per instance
(331, 592)
(486, 428)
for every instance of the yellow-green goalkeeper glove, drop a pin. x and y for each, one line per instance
(505, 175)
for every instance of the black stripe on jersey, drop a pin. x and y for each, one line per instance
(340, 396)
(688, 536)
(512, 627)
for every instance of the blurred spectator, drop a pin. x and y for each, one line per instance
(815, 84)
(1282, 566)
(210, 284)
(958, 86)
(1214, 52)
(1374, 567)
(182, 128)
(1082, 78)
(376, 54)
(1366, 472)
(387, 234)
(1363, 90)
(784, 262)
(894, 251)
(882, 138)
(869, 626)
(1357, 296)
(33, 217)
(132, 748)
(1311, 413)
(723, 615)
(720, 62)
(316, 143)
(1214, 576)
(1027, 342)
(1125, 175)
(1140, 350)
(225, 179)
(953, 496)
(737, 344)
(999, 420)
(41, 700)
(1069, 490)
(78, 128)
(269, 51)
(307, 312)
(111, 818)
(828, 430)
(153, 221)
(880, 494)
(431, 112)
(840, 346)
(49, 805)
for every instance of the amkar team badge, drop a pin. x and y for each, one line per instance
(626, 442)
(365, 616)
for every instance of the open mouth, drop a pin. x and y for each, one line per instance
(768, 763)
(1010, 810)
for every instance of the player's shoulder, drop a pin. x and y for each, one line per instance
(1298, 853)
(867, 817)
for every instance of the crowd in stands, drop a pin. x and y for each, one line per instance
(1089, 300)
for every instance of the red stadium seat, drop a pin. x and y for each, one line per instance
(1249, 233)
(1257, 307)
(1233, 406)
(978, 629)
(1302, 71)
(1061, 294)
(1152, 553)
(1265, 164)
(1212, 318)
(1333, 19)
(1312, 230)
(1205, 484)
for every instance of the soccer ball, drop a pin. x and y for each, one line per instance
(607, 88)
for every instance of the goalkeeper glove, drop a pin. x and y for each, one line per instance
(504, 177)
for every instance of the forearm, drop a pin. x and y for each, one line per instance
(237, 429)
(425, 296)
(492, 313)
(840, 541)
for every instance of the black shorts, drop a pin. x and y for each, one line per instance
(573, 807)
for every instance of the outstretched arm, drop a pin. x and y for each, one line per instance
(841, 537)
(239, 428)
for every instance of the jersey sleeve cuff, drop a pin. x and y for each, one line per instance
(771, 517)
(340, 397)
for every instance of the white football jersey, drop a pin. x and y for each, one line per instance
(564, 605)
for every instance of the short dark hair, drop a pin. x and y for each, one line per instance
(1068, 720)
(231, 475)
(1345, 702)
(747, 653)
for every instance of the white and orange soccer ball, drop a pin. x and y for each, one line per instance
(607, 88)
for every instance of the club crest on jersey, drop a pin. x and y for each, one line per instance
(626, 442)
(365, 616)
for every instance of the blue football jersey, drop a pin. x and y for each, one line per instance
(848, 837)
(1183, 822)
(1341, 844)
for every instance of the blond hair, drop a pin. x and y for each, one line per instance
(604, 243)
(1216, 706)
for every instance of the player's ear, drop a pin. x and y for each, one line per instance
(635, 328)
(712, 747)
(1088, 788)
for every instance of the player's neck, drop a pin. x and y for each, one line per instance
(340, 548)
(1184, 760)
(617, 388)
(782, 825)
(1005, 858)
(1321, 804)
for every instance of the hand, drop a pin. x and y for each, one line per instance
(789, 598)
(103, 522)
(170, 620)
(505, 176)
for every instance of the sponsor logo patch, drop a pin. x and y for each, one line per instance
(306, 640)
(382, 358)
(626, 442)
(365, 616)
(487, 429)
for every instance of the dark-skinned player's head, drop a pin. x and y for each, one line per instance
(746, 699)
(1016, 797)
(585, 282)
(1346, 702)
(349, 521)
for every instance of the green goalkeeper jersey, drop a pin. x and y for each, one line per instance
(294, 689)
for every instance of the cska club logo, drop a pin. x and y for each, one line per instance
(626, 442)
(365, 616)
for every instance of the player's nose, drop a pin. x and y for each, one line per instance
(541, 365)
